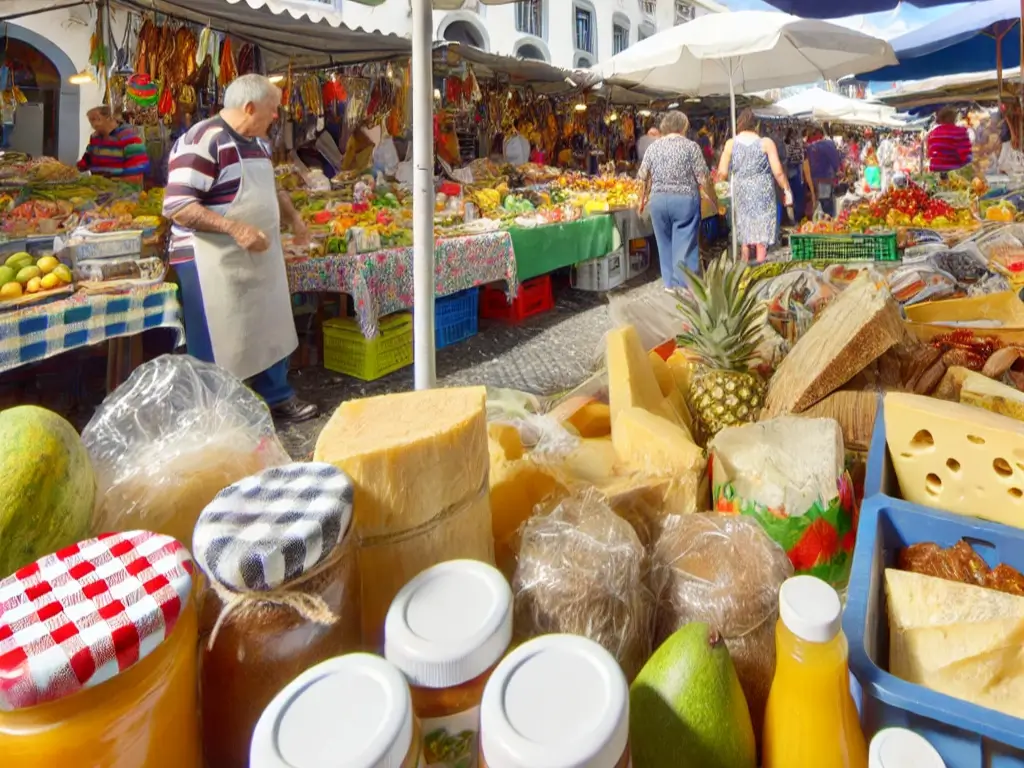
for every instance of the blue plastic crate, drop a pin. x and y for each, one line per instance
(879, 475)
(456, 317)
(966, 735)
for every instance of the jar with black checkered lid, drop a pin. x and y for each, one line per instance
(283, 594)
(98, 657)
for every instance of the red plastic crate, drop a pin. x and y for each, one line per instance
(534, 298)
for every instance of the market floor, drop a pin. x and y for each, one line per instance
(545, 355)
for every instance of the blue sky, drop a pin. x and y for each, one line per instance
(885, 25)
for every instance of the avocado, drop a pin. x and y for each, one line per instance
(27, 273)
(7, 275)
(687, 709)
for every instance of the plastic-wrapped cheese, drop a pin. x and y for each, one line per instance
(419, 463)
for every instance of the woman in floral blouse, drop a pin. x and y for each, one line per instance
(673, 172)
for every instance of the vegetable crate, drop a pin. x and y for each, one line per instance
(535, 297)
(639, 257)
(602, 274)
(456, 317)
(844, 247)
(965, 735)
(347, 351)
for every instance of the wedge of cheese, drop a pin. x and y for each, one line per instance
(957, 458)
(657, 448)
(958, 639)
(592, 420)
(419, 462)
(982, 392)
(631, 380)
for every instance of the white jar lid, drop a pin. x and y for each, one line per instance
(810, 609)
(450, 624)
(900, 748)
(558, 701)
(353, 710)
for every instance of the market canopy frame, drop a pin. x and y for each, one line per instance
(837, 9)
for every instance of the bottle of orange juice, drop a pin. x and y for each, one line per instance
(811, 720)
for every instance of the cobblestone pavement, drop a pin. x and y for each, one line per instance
(545, 355)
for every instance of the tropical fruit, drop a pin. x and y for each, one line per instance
(10, 291)
(17, 261)
(35, 285)
(63, 273)
(686, 707)
(47, 264)
(49, 282)
(726, 325)
(7, 275)
(47, 486)
(27, 273)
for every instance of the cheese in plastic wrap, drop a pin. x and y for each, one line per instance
(169, 439)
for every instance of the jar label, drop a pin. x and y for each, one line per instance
(451, 742)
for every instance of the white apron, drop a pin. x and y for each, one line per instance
(245, 293)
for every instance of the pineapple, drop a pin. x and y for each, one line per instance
(726, 326)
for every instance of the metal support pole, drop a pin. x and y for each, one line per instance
(732, 64)
(423, 193)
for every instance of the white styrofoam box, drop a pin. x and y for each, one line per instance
(639, 261)
(83, 245)
(602, 274)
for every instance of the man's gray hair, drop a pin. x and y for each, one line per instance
(250, 89)
(675, 122)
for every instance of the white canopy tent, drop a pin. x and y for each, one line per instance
(743, 52)
(820, 104)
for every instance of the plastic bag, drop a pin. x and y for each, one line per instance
(165, 442)
(582, 571)
(723, 570)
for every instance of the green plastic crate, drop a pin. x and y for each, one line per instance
(347, 351)
(880, 247)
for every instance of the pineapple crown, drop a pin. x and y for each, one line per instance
(725, 318)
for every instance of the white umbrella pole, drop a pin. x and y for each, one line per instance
(732, 186)
(423, 193)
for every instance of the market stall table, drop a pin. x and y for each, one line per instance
(381, 282)
(540, 250)
(36, 333)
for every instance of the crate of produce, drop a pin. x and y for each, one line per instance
(456, 317)
(347, 351)
(534, 297)
(602, 274)
(878, 247)
(107, 245)
(639, 257)
(965, 734)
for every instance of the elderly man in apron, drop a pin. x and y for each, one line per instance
(225, 246)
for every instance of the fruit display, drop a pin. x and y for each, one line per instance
(47, 486)
(23, 274)
(912, 206)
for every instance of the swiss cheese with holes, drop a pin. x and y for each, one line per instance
(956, 457)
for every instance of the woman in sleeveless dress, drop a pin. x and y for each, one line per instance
(753, 161)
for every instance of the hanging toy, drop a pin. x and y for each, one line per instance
(142, 90)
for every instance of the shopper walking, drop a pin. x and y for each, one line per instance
(226, 245)
(753, 163)
(795, 173)
(652, 135)
(822, 167)
(673, 171)
(949, 145)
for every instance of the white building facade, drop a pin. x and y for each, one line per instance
(566, 33)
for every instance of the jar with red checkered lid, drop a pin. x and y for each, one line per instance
(98, 657)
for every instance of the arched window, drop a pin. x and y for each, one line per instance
(530, 51)
(620, 33)
(583, 61)
(466, 33)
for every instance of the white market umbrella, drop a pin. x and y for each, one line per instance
(820, 104)
(745, 51)
(424, 369)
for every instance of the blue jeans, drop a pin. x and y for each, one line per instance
(676, 220)
(796, 183)
(272, 384)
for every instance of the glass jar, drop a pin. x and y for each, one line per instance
(253, 643)
(446, 630)
(354, 710)
(560, 701)
(144, 716)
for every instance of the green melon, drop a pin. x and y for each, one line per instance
(47, 486)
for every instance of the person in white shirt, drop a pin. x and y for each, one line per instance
(645, 141)
(516, 148)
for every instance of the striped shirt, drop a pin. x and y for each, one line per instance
(205, 167)
(119, 155)
(949, 148)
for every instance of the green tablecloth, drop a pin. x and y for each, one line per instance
(540, 250)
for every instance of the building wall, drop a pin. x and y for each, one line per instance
(495, 25)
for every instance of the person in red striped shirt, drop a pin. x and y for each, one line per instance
(115, 149)
(949, 144)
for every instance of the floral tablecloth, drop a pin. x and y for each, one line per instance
(381, 282)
